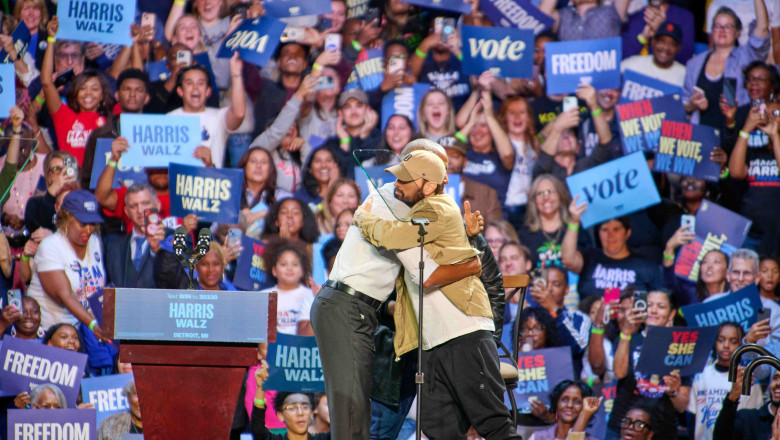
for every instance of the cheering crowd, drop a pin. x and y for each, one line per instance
(300, 125)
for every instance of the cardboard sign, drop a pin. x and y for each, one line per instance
(250, 272)
(507, 52)
(7, 89)
(458, 6)
(213, 194)
(520, 14)
(357, 8)
(685, 149)
(296, 8)
(614, 189)
(70, 424)
(403, 101)
(717, 228)
(666, 349)
(105, 392)
(191, 315)
(740, 306)
(123, 176)
(637, 86)
(158, 140)
(571, 63)
(27, 364)
(96, 21)
(369, 71)
(598, 425)
(255, 40)
(21, 36)
(640, 121)
(294, 365)
(540, 371)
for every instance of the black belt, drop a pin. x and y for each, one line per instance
(338, 285)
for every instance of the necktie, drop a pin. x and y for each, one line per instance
(139, 252)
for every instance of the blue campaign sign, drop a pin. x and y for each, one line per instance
(158, 140)
(540, 371)
(403, 101)
(96, 21)
(453, 189)
(571, 63)
(686, 349)
(71, 423)
(740, 306)
(637, 86)
(507, 52)
(608, 391)
(296, 8)
(685, 149)
(123, 176)
(640, 121)
(458, 6)
(213, 194)
(377, 175)
(27, 364)
(21, 37)
(614, 189)
(520, 14)
(255, 40)
(105, 392)
(250, 272)
(7, 89)
(369, 71)
(357, 8)
(294, 365)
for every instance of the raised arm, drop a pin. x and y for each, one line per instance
(570, 256)
(177, 10)
(53, 101)
(762, 19)
(104, 189)
(588, 94)
(548, 7)
(501, 141)
(235, 115)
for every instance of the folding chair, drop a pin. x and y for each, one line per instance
(508, 360)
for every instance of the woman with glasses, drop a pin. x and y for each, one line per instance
(706, 72)
(499, 232)
(574, 407)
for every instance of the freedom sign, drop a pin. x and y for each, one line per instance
(255, 40)
(294, 365)
(403, 101)
(157, 140)
(96, 21)
(740, 306)
(507, 52)
(637, 86)
(27, 364)
(685, 149)
(21, 37)
(520, 14)
(614, 189)
(105, 392)
(458, 6)
(539, 372)
(7, 89)
(686, 349)
(123, 176)
(571, 63)
(296, 8)
(250, 273)
(70, 424)
(640, 121)
(213, 194)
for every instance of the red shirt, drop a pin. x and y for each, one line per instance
(73, 129)
(119, 211)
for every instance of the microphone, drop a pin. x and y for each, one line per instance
(180, 245)
(202, 247)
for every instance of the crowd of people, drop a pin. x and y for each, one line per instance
(299, 126)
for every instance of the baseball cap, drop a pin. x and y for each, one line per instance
(350, 94)
(83, 205)
(670, 30)
(420, 164)
(458, 146)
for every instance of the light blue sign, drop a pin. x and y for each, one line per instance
(123, 176)
(255, 40)
(21, 36)
(213, 194)
(96, 21)
(158, 140)
(507, 52)
(571, 63)
(458, 6)
(7, 89)
(294, 365)
(296, 8)
(520, 14)
(403, 101)
(614, 189)
(380, 177)
(105, 392)
(637, 87)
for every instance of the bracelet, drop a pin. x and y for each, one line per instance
(179, 2)
(50, 40)
(420, 53)
(597, 331)
(93, 324)
(625, 337)
(725, 173)
(641, 38)
(673, 395)
(591, 379)
(260, 403)
(40, 99)
(25, 258)
(573, 227)
(316, 66)
(668, 256)
(357, 46)
(345, 141)
(743, 134)
(732, 125)
(596, 112)
(459, 57)
(461, 137)
(111, 163)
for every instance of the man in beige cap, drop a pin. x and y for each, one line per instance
(463, 385)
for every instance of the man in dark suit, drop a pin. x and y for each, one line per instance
(482, 197)
(129, 258)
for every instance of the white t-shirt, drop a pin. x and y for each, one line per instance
(706, 399)
(86, 276)
(644, 65)
(214, 130)
(522, 174)
(292, 307)
(746, 12)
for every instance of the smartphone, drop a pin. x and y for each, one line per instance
(760, 105)
(374, 14)
(151, 221)
(448, 28)
(333, 42)
(64, 78)
(640, 300)
(70, 166)
(688, 220)
(293, 34)
(234, 237)
(612, 295)
(395, 65)
(762, 313)
(325, 24)
(147, 19)
(325, 82)
(655, 3)
(438, 25)
(183, 57)
(539, 277)
(15, 298)
(239, 9)
(730, 91)
(570, 102)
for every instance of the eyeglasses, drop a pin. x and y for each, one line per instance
(68, 56)
(742, 274)
(297, 408)
(544, 194)
(636, 425)
(55, 169)
(763, 79)
(534, 329)
(723, 27)
(496, 241)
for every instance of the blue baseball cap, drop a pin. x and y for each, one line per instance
(83, 205)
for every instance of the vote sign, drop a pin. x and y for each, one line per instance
(255, 40)
(96, 21)
(640, 121)
(213, 194)
(105, 392)
(507, 52)
(571, 63)
(403, 101)
(157, 140)
(70, 424)
(539, 372)
(520, 14)
(123, 176)
(685, 149)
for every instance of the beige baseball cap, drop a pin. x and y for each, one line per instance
(420, 164)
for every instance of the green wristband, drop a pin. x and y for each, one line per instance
(725, 173)
(573, 227)
(461, 137)
(92, 325)
(260, 403)
(596, 112)
(40, 99)
(459, 57)
(668, 257)
(345, 141)
(357, 46)
(597, 331)
(25, 258)
(420, 53)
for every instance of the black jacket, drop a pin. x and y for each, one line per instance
(743, 424)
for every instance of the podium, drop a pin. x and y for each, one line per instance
(190, 350)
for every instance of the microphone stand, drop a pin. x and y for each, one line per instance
(419, 378)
